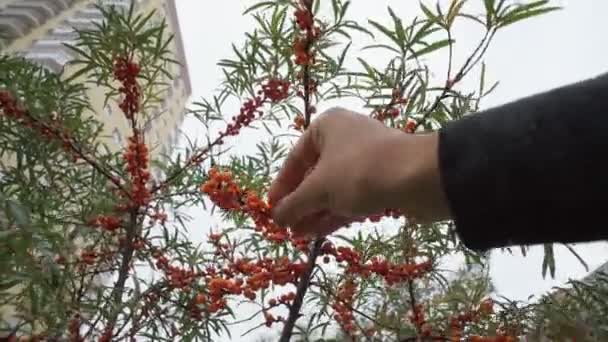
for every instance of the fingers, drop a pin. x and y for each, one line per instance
(310, 197)
(300, 160)
(319, 225)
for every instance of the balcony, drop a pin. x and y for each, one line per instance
(92, 13)
(39, 15)
(12, 27)
(82, 23)
(65, 34)
(19, 18)
(49, 57)
(48, 10)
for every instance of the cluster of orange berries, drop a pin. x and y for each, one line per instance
(178, 278)
(392, 112)
(159, 216)
(392, 273)
(298, 122)
(244, 277)
(12, 109)
(261, 273)
(410, 126)
(9, 105)
(107, 335)
(343, 305)
(458, 322)
(269, 319)
(107, 223)
(74, 330)
(303, 42)
(394, 213)
(88, 256)
(226, 194)
(418, 319)
(274, 90)
(126, 71)
(305, 56)
(137, 159)
(247, 113)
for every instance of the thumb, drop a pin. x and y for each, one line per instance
(310, 197)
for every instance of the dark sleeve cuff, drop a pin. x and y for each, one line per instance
(531, 171)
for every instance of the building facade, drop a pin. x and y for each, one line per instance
(37, 30)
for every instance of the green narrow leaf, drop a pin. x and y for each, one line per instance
(386, 32)
(548, 261)
(489, 6)
(381, 46)
(511, 19)
(435, 46)
(580, 259)
(259, 5)
(335, 8)
(472, 17)
(429, 14)
(454, 10)
(18, 212)
(399, 30)
(424, 31)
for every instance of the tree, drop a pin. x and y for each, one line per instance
(83, 222)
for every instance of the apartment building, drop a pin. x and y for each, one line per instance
(37, 29)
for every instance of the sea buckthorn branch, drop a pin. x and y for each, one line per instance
(12, 109)
(273, 91)
(294, 310)
(126, 70)
(417, 309)
(470, 63)
(228, 195)
(347, 305)
(307, 32)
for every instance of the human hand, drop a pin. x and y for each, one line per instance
(347, 165)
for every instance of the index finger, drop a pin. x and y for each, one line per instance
(300, 159)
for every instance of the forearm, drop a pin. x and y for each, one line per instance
(532, 171)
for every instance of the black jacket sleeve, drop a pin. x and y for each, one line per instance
(531, 171)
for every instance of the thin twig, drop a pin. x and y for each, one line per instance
(123, 273)
(296, 306)
(466, 67)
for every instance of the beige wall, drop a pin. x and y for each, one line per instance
(163, 129)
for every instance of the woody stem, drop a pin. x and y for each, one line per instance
(296, 306)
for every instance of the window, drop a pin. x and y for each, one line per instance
(108, 110)
(117, 137)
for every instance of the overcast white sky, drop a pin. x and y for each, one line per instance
(537, 55)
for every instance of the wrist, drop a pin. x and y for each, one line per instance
(417, 183)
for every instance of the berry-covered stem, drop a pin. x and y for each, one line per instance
(309, 33)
